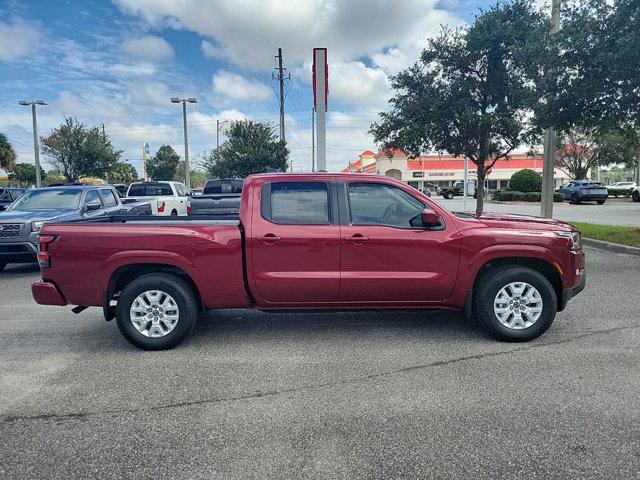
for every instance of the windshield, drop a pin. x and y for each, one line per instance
(48, 199)
(150, 190)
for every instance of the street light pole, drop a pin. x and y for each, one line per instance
(36, 146)
(187, 173)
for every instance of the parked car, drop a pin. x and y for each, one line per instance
(167, 198)
(635, 194)
(221, 196)
(8, 195)
(314, 241)
(21, 222)
(197, 191)
(578, 191)
(457, 189)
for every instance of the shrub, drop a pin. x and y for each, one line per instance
(509, 195)
(619, 192)
(558, 197)
(533, 196)
(525, 181)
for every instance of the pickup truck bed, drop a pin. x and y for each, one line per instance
(314, 241)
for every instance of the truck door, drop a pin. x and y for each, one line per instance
(387, 255)
(295, 242)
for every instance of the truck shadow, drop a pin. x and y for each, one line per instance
(19, 270)
(227, 325)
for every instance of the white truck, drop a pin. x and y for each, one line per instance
(167, 198)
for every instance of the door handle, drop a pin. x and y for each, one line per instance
(357, 238)
(269, 238)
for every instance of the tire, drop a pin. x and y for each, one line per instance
(178, 290)
(447, 195)
(600, 202)
(574, 199)
(174, 213)
(3, 265)
(635, 196)
(488, 288)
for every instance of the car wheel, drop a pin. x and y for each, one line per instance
(600, 202)
(635, 196)
(2, 266)
(156, 311)
(448, 195)
(514, 304)
(174, 213)
(574, 198)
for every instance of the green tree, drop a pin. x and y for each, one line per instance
(76, 150)
(24, 174)
(7, 154)
(471, 91)
(123, 172)
(196, 175)
(580, 149)
(164, 164)
(251, 147)
(597, 66)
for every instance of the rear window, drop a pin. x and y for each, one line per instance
(223, 186)
(301, 203)
(150, 190)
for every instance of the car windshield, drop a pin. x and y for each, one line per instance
(48, 199)
(150, 190)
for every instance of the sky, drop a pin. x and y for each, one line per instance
(119, 62)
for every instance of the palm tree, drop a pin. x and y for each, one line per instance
(7, 154)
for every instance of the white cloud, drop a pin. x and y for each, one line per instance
(17, 39)
(249, 32)
(150, 94)
(148, 48)
(235, 87)
(355, 83)
(210, 50)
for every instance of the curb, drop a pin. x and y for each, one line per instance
(610, 247)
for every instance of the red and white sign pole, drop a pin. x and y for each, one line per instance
(320, 94)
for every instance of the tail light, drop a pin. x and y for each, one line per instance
(161, 206)
(44, 257)
(188, 206)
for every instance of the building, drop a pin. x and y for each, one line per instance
(444, 170)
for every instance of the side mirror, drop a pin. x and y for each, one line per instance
(429, 218)
(92, 207)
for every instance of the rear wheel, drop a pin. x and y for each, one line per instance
(448, 195)
(514, 304)
(2, 266)
(574, 199)
(600, 202)
(635, 196)
(156, 311)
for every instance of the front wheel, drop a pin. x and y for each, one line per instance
(448, 195)
(575, 199)
(514, 303)
(156, 311)
(635, 196)
(600, 202)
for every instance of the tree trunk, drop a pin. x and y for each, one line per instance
(480, 191)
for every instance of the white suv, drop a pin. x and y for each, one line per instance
(167, 198)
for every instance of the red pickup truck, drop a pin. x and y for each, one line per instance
(314, 242)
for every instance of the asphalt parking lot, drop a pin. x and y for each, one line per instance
(359, 395)
(621, 211)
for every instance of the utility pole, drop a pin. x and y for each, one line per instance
(219, 125)
(548, 158)
(280, 77)
(187, 172)
(36, 147)
(313, 140)
(104, 135)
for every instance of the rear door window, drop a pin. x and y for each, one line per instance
(301, 203)
(109, 197)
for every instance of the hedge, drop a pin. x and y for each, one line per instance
(619, 192)
(510, 195)
(526, 181)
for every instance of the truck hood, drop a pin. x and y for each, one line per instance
(22, 216)
(512, 220)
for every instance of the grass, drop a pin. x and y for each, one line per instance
(610, 233)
